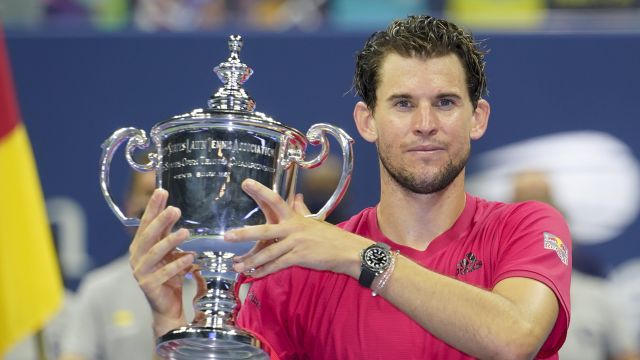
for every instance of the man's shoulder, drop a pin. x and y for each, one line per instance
(497, 209)
(359, 220)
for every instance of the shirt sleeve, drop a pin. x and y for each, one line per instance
(265, 314)
(536, 243)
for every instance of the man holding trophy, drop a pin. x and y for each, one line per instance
(431, 272)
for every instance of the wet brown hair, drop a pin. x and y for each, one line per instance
(422, 36)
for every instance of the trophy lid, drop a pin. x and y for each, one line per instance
(233, 73)
(230, 102)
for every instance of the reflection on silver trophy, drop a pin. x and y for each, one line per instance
(201, 158)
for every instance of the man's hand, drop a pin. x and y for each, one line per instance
(292, 239)
(157, 266)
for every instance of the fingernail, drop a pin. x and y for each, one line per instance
(238, 267)
(250, 183)
(158, 193)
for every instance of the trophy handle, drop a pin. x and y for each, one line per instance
(137, 139)
(317, 135)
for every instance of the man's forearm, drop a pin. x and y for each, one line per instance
(485, 324)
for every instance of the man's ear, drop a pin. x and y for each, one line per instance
(365, 122)
(480, 119)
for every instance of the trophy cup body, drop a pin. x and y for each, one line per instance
(201, 159)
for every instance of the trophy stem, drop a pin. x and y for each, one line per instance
(215, 301)
(212, 334)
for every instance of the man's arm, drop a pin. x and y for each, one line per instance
(511, 321)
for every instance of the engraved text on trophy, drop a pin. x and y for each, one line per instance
(203, 169)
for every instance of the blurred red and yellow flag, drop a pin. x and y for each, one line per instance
(30, 283)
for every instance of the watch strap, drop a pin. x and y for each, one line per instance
(366, 277)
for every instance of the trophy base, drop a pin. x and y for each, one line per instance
(201, 342)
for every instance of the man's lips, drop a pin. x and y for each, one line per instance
(425, 148)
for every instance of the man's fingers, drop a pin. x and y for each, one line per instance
(161, 249)
(299, 206)
(165, 273)
(156, 204)
(267, 255)
(266, 198)
(261, 244)
(269, 214)
(270, 268)
(251, 268)
(255, 233)
(155, 230)
(265, 207)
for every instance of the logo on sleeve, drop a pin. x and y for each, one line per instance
(554, 243)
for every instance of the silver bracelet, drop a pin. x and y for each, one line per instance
(384, 277)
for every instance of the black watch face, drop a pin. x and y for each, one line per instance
(376, 258)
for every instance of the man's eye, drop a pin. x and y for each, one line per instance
(445, 103)
(405, 104)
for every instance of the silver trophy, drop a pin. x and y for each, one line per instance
(201, 158)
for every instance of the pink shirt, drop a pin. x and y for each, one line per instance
(307, 314)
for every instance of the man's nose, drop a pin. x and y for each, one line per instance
(425, 121)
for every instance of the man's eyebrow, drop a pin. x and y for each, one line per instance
(403, 96)
(448, 95)
(393, 97)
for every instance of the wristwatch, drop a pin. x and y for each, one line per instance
(374, 261)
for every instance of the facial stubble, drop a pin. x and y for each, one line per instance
(424, 184)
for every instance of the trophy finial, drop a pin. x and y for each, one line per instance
(235, 45)
(233, 73)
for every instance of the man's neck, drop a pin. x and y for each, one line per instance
(414, 220)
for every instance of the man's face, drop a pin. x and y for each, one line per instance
(424, 121)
